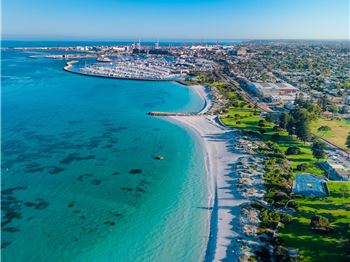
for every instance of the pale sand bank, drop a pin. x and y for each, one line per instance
(218, 144)
(217, 141)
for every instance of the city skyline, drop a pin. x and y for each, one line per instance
(175, 20)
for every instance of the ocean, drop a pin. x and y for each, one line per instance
(80, 178)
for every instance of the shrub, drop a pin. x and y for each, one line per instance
(262, 130)
(281, 253)
(293, 204)
(238, 122)
(275, 137)
(280, 195)
(320, 224)
(275, 128)
(269, 218)
(302, 167)
(324, 129)
(293, 150)
(272, 218)
(263, 254)
(286, 218)
(235, 103)
(262, 122)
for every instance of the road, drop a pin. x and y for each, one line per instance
(253, 101)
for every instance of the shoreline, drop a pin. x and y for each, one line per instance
(224, 201)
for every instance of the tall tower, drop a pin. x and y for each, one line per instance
(138, 45)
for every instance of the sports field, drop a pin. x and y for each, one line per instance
(339, 130)
(309, 185)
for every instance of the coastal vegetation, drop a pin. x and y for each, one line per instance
(318, 149)
(243, 116)
(316, 227)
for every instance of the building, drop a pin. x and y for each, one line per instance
(242, 51)
(119, 48)
(271, 91)
(336, 171)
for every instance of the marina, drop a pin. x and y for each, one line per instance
(138, 70)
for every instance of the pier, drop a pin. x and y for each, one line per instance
(174, 114)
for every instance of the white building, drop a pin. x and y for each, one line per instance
(274, 92)
(336, 171)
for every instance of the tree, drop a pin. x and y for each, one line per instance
(293, 150)
(303, 131)
(324, 129)
(290, 126)
(283, 121)
(262, 123)
(302, 167)
(262, 130)
(302, 124)
(343, 110)
(332, 108)
(276, 128)
(318, 149)
(299, 123)
(320, 223)
(299, 99)
(275, 137)
(269, 118)
(348, 141)
(323, 102)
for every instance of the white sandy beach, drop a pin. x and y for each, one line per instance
(217, 142)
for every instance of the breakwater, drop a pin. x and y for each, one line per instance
(69, 65)
(173, 114)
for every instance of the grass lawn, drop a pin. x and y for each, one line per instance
(338, 133)
(321, 247)
(249, 121)
(339, 188)
(298, 234)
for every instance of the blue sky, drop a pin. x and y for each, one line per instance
(175, 19)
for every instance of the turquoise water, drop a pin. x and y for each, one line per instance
(80, 181)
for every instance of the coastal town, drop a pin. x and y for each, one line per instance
(286, 105)
(273, 71)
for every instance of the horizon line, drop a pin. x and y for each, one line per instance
(151, 39)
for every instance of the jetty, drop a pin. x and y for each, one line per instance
(174, 114)
(69, 65)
